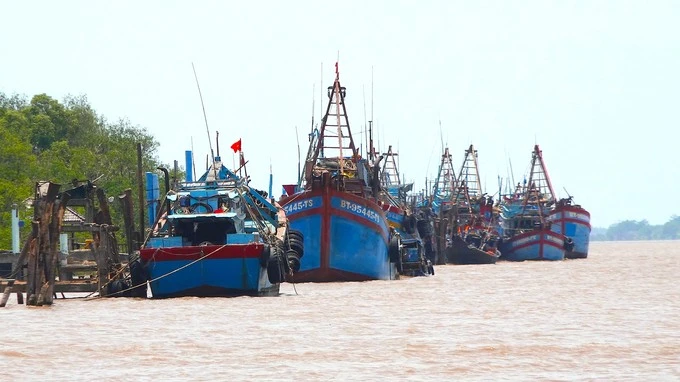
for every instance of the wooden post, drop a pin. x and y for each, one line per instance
(128, 221)
(6, 294)
(55, 230)
(38, 277)
(140, 191)
(105, 216)
(32, 269)
(47, 246)
(16, 267)
(101, 256)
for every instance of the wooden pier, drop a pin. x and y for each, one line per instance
(42, 272)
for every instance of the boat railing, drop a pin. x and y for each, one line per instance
(208, 184)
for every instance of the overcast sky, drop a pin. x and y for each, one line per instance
(594, 83)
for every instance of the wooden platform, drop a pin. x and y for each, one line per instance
(71, 286)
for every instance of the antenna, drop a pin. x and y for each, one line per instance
(339, 120)
(372, 94)
(271, 178)
(512, 173)
(217, 141)
(428, 162)
(313, 99)
(297, 138)
(441, 134)
(363, 93)
(193, 158)
(205, 118)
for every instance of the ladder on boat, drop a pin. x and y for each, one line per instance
(469, 185)
(389, 176)
(445, 183)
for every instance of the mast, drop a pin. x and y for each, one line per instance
(390, 172)
(335, 135)
(469, 184)
(217, 142)
(539, 189)
(445, 182)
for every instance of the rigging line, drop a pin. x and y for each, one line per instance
(336, 91)
(165, 275)
(205, 118)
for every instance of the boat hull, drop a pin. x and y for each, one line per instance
(345, 237)
(207, 271)
(462, 253)
(534, 245)
(573, 222)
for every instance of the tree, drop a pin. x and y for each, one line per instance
(59, 142)
(671, 229)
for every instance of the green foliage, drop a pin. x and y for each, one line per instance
(639, 230)
(61, 142)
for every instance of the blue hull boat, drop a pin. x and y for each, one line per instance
(525, 227)
(216, 236)
(346, 232)
(534, 245)
(406, 248)
(345, 237)
(573, 221)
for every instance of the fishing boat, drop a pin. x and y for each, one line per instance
(573, 221)
(525, 232)
(346, 232)
(406, 248)
(440, 205)
(472, 228)
(419, 203)
(217, 236)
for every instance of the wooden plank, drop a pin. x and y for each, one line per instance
(75, 286)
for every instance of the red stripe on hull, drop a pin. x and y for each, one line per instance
(324, 273)
(578, 210)
(541, 242)
(304, 214)
(571, 220)
(232, 251)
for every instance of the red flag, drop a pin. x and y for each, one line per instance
(336, 67)
(236, 146)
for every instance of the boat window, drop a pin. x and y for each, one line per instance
(212, 231)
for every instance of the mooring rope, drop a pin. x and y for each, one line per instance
(161, 276)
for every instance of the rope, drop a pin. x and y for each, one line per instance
(258, 222)
(165, 275)
(259, 225)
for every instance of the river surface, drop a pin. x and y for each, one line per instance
(614, 316)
